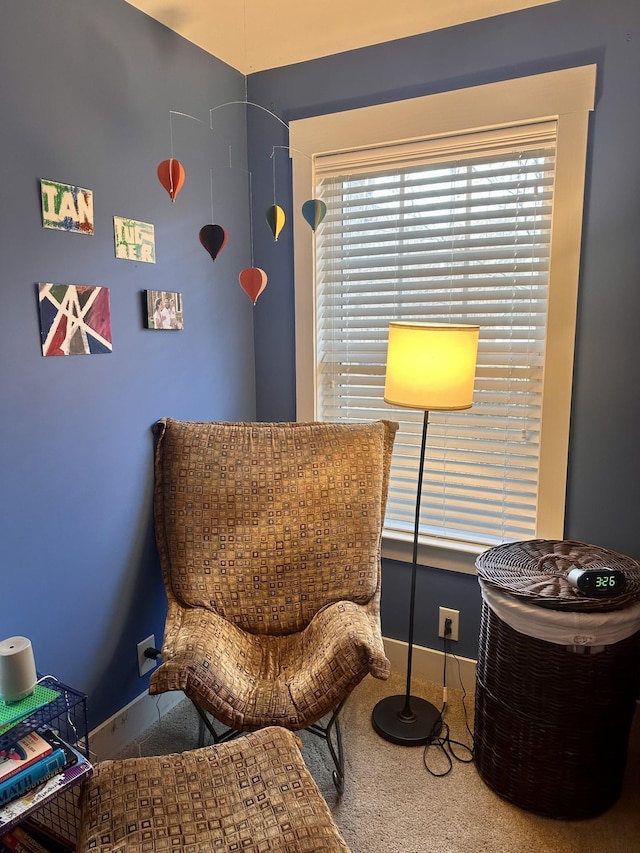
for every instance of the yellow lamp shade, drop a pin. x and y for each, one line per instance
(431, 366)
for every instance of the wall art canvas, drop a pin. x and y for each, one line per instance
(74, 319)
(135, 241)
(164, 310)
(66, 208)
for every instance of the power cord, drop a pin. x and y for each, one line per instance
(443, 742)
(152, 653)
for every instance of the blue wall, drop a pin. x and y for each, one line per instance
(603, 494)
(87, 90)
(85, 99)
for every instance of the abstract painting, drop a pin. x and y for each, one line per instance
(134, 240)
(74, 319)
(164, 310)
(66, 208)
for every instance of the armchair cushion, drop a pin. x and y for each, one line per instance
(248, 680)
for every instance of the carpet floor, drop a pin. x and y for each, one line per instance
(393, 804)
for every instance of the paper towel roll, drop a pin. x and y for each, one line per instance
(17, 669)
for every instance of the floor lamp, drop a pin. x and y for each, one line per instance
(430, 366)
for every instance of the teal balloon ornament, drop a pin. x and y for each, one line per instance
(314, 212)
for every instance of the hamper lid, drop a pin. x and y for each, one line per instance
(536, 569)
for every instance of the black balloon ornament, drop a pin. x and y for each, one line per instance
(213, 238)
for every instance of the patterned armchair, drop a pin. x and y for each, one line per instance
(269, 539)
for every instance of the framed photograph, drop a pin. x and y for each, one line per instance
(164, 309)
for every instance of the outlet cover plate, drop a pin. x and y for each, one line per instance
(146, 664)
(454, 615)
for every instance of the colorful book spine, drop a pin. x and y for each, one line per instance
(22, 782)
(49, 838)
(20, 842)
(10, 844)
(23, 754)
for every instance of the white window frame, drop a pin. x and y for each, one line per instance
(565, 96)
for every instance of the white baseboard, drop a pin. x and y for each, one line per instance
(107, 739)
(429, 663)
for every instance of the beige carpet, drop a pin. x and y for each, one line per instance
(392, 804)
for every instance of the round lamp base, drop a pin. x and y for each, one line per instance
(422, 726)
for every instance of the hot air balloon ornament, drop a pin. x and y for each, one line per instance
(253, 281)
(276, 218)
(213, 238)
(314, 210)
(171, 175)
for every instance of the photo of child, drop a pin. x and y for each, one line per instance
(164, 310)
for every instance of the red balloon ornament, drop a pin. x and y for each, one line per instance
(253, 281)
(171, 176)
(213, 238)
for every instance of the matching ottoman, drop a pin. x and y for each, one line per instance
(250, 795)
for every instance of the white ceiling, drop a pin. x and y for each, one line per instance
(253, 35)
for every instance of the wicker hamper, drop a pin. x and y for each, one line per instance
(552, 720)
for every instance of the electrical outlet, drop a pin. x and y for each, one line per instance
(454, 615)
(146, 664)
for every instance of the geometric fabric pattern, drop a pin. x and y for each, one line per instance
(250, 795)
(269, 539)
(74, 319)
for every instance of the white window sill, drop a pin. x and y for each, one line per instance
(452, 556)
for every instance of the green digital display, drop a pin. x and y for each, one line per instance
(606, 581)
(595, 582)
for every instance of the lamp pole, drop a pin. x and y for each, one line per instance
(431, 367)
(409, 720)
(407, 713)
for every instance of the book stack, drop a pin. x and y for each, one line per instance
(34, 837)
(34, 769)
(34, 758)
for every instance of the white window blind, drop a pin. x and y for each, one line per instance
(449, 230)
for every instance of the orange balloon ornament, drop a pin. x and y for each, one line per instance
(171, 176)
(253, 281)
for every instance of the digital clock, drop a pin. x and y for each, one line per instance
(596, 582)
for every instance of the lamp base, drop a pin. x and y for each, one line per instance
(423, 725)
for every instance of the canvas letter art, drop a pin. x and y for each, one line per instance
(66, 208)
(134, 240)
(74, 319)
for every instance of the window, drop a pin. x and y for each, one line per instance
(471, 222)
